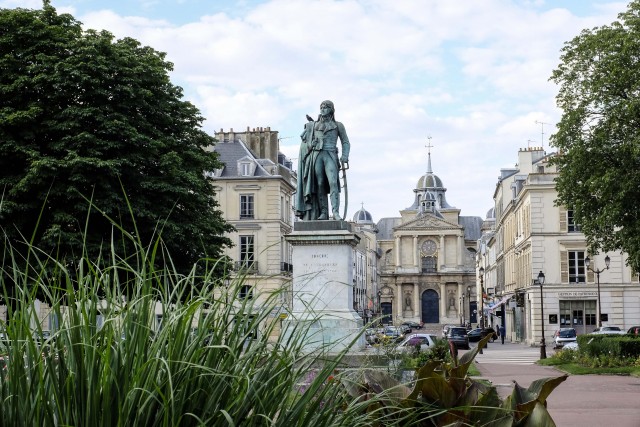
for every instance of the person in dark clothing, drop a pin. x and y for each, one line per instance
(502, 332)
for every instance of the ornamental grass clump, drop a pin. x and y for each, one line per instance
(133, 345)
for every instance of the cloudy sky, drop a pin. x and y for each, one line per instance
(471, 76)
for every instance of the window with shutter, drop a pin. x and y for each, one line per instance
(563, 219)
(577, 270)
(572, 227)
(564, 267)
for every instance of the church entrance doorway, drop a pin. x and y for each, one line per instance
(430, 308)
(473, 310)
(387, 313)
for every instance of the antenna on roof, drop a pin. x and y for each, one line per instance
(529, 141)
(542, 131)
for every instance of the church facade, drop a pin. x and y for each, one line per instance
(428, 260)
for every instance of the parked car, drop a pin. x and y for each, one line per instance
(445, 330)
(425, 341)
(404, 329)
(608, 330)
(371, 335)
(458, 336)
(563, 336)
(478, 333)
(413, 325)
(634, 330)
(394, 333)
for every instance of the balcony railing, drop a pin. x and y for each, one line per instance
(246, 266)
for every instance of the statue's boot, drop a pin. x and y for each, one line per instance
(324, 208)
(335, 204)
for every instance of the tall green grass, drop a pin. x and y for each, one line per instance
(213, 360)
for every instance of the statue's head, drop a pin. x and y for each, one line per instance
(329, 105)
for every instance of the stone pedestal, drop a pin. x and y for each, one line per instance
(323, 259)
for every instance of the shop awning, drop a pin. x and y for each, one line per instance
(492, 307)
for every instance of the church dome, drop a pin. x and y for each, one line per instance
(491, 214)
(429, 180)
(362, 217)
(429, 192)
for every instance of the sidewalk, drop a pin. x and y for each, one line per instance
(580, 401)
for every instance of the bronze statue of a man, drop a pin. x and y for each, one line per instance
(318, 165)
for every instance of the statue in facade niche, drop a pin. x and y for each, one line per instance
(319, 165)
(407, 301)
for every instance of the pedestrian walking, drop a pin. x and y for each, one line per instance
(502, 332)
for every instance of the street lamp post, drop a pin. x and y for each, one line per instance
(462, 310)
(469, 302)
(482, 297)
(587, 263)
(543, 344)
(481, 300)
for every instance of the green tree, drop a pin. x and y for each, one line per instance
(598, 136)
(86, 117)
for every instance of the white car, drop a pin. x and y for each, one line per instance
(425, 341)
(563, 336)
(609, 330)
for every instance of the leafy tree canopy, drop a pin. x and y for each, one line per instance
(598, 137)
(86, 117)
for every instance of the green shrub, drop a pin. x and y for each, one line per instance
(566, 356)
(621, 346)
(417, 358)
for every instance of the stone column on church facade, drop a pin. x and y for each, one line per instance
(397, 247)
(443, 300)
(399, 302)
(461, 249)
(416, 300)
(415, 251)
(460, 303)
(441, 260)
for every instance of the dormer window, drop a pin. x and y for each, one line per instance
(246, 166)
(216, 173)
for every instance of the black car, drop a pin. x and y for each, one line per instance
(478, 333)
(457, 335)
(412, 325)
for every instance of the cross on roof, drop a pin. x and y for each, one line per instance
(429, 146)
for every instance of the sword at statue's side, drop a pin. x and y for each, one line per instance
(344, 166)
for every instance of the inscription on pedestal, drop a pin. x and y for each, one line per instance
(323, 282)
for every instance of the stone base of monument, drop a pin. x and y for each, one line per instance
(323, 256)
